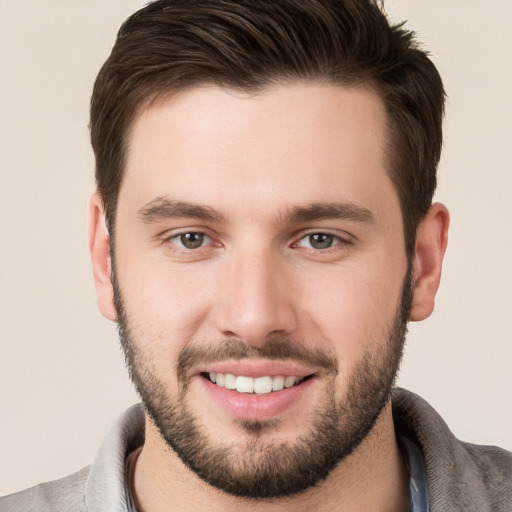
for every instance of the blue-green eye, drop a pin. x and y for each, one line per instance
(319, 241)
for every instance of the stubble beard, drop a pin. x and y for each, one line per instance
(261, 466)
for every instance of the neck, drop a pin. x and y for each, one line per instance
(373, 477)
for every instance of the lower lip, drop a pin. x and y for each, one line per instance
(253, 407)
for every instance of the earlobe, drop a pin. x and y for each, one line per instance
(99, 248)
(431, 242)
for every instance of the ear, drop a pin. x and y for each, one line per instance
(99, 247)
(431, 241)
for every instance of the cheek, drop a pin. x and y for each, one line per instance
(351, 311)
(165, 307)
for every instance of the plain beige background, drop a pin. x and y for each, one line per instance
(62, 377)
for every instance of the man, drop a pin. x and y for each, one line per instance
(263, 231)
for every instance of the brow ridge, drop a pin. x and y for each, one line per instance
(324, 211)
(163, 208)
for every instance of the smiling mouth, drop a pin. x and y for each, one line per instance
(254, 385)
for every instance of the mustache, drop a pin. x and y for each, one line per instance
(282, 349)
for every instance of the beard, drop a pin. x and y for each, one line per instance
(261, 466)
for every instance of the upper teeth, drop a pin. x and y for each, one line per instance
(259, 385)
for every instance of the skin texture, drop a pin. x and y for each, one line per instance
(252, 161)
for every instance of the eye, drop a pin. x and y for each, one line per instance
(190, 240)
(319, 241)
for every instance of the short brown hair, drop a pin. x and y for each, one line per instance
(171, 45)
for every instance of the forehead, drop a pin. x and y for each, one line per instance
(289, 143)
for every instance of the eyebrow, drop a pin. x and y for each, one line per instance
(326, 211)
(163, 208)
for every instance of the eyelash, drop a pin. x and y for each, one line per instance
(339, 242)
(185, 250)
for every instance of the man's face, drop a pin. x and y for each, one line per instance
(259, 244)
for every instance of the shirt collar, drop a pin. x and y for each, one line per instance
(106, 484)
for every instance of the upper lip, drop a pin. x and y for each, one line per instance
(258, 368)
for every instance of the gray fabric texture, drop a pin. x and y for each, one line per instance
(461, 476)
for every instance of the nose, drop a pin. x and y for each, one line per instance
(255, 298)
